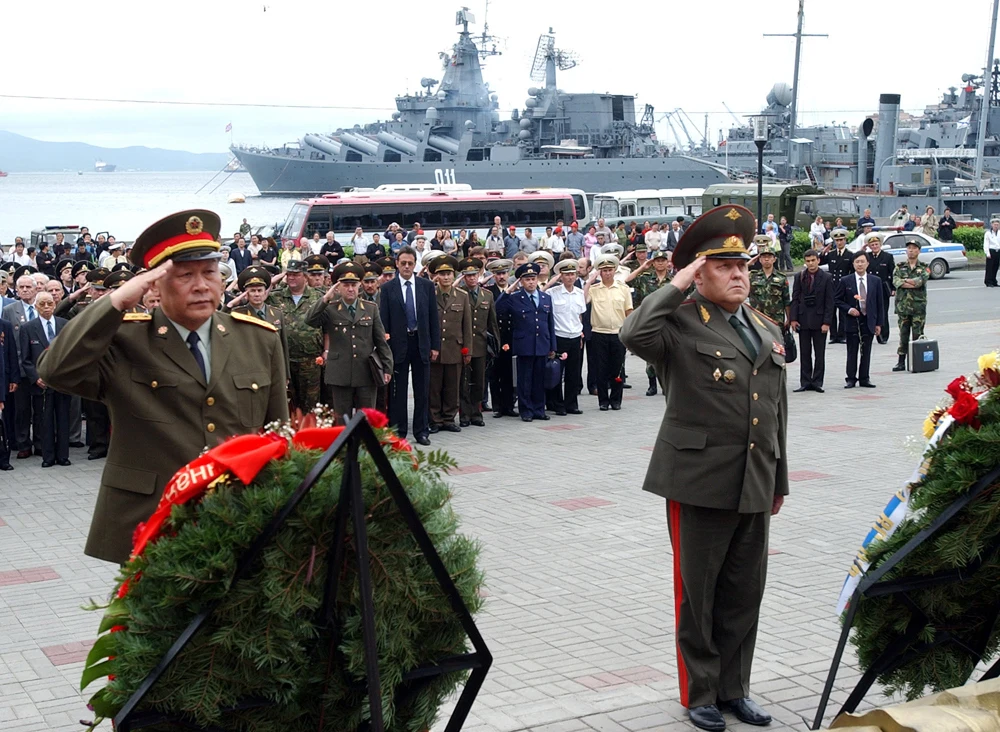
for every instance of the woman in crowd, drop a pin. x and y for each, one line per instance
(290, 252)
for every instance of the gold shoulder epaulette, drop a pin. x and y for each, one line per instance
(136, 317)
(758, 312)
(251, 319)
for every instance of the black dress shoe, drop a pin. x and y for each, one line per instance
(498, 415)
(464, 423)
(573, 411)
(478, 423)
(561, 413)
(801, 389)
(747, 710)
(451, 427)
(526, 419)
(605, 407)
(76, 444)
(22, 454)
(423, 440)
(626, 385)
(616, 407)
(97, 455)
(6, 466)
(850, 384)
(48, 463)
(818, 389)
(544, 417)
(867, 384)
(512, 413)
(707, 717)
(64, 463)
(434, 429)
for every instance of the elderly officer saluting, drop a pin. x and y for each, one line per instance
(720, 457)
(355, 331)
(254, 282)
(175, 380)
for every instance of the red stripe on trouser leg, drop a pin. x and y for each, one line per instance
(675, 543)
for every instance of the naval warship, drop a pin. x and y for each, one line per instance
(454, 135)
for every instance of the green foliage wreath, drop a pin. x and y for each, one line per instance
(261, 643)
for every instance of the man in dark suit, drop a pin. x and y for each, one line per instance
(533, 338)
(35, 337)
(241, 256)
(859, 299)
(882, 265)
(409, 313)
(811, 316)
(10, 374)
(838, 263)
(719, 458)
(27, 433)
(502, 376)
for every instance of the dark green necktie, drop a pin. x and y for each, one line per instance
(475, 296)
(744, 335)
(350, 309)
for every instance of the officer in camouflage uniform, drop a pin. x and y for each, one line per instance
(910, 281)
(652, 274)
(305, 343)
(768, 287)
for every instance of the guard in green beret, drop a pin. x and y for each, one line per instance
(720, 456)
(910, 280)
(647, 279)
(769, 288)
(174, 381)
(455, 315)
(293, 298)
(254, 282)
(357, 341)
(317, 271)
(484, 321)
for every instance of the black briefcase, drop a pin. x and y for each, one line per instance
(923, 356)
(791, 348)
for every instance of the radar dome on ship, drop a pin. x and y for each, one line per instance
(525, 123)
(427, 81)
(442, 95)
(524, 134)
(534, 91)
(780, 95)
(431, 114)
(396, 115)
(470, 125)
(495, 117)
(530, 102)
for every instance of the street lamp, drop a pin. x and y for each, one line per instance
(760, 139)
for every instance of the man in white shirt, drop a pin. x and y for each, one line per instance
(18, 256)
(991, 245)
(359, 241)
(568, 307)
(653, 238)
(557, 244)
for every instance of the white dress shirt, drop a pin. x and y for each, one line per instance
(991, 241)
(567, 307)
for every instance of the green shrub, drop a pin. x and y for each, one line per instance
(971, 237)
(800, 243)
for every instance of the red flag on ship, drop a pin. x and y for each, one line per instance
(229, 127)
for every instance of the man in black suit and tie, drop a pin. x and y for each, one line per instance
(811, 316)
(860, 300)
(241, 256)
(28, 425)
(35, 337)
(408, 306)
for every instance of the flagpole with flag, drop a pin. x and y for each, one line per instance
(229, 129)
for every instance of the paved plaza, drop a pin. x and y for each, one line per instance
(579, 614)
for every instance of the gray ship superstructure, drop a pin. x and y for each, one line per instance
(455, 134)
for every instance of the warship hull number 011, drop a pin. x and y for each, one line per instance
(454, 135)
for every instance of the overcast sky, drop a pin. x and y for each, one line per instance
(358, 56)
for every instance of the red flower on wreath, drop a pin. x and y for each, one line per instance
(956, 387)
(376, 419)
(965, 410)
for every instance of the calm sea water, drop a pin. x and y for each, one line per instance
(126, 203)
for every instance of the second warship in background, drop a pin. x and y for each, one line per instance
(455, 135)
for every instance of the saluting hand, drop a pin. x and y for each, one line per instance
(130, 294)
(330, 294)
(77, 294)
(683, 279)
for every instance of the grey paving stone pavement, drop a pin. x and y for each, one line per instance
(579, 613)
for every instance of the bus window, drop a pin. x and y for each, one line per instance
(673, 206)
(580, 204)
(293, 226)
(649, 207)
(605, 208)
(626, 209)
(807, 207)
(716, 201)
(318, 221)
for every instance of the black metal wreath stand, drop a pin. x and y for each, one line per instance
(872, 585)
(351, 507)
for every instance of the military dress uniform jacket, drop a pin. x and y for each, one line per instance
(722, 440)
(352, 341)
(838, 264)
(484, 320)
(455, 316)
(305, 343)
(273, 316)
(162, 410)
(533, 330)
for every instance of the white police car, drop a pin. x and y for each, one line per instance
(941, 257)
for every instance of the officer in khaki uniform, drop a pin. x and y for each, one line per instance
(484, 320)
(355, 330)
(455, 316)
(175, 380)
(719, 459)
(254, 282)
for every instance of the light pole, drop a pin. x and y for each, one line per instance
(760, 139)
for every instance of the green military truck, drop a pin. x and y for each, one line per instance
(799, 203)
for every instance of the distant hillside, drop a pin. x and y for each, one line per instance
(24, 155)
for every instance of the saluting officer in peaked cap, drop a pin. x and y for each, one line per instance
(372, 272)
(253, 275)
(317, 263)
(347, 272)
(96, 278)
(528, 269)
(443, 263)
(116, 279)
(565, 266)
(469, 265)
(79, 267)
(186, 236)
(720, 457)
